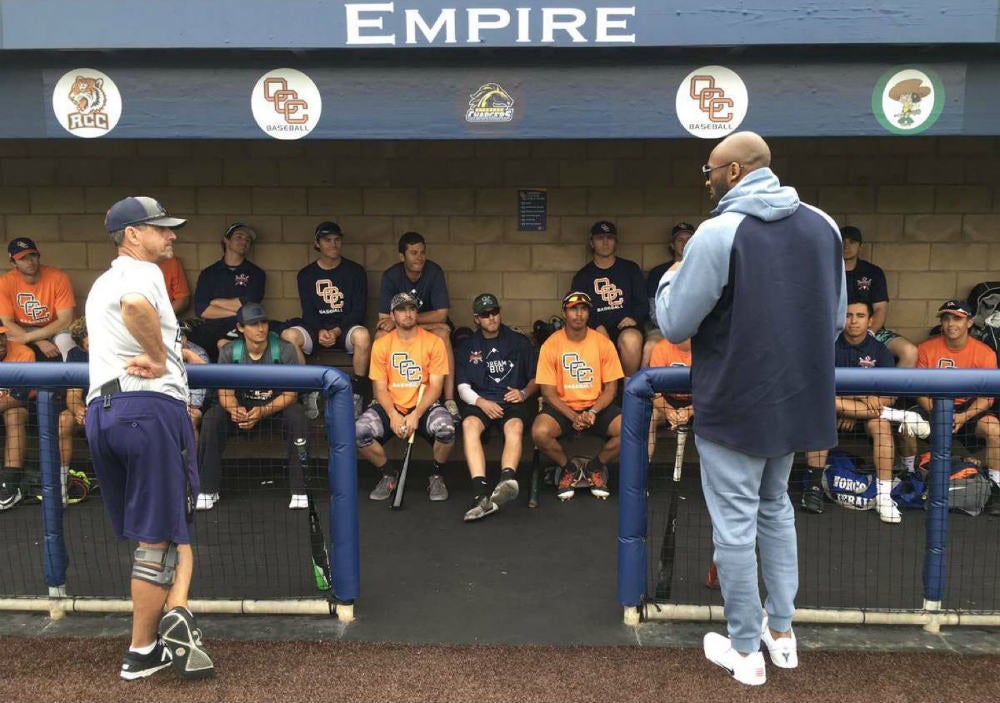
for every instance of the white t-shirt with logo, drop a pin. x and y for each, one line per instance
(111, 344)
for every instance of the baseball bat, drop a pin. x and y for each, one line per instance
(536, 461)
(397, 499)
(317, 540)
(665, 571)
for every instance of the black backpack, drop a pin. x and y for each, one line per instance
(985, 302)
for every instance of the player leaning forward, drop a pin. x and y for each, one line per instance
(141, 437)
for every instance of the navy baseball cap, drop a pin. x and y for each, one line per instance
(139, 210)
(680, 227)
(603, 227)
(955, 307)
(401, 300)
(576, 298)
(328, 227)
(236, 227)
(250, 313)
(485, 302)
(20, 247)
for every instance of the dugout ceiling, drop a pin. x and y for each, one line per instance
(496, 69)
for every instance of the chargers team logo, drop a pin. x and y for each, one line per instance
(578, 370)
(476, 357)
(242, 280)
(87, 103)
(866, 362)
(286, 104)
(490, 103)
(711, 102)
(407, 368)
(864, 283)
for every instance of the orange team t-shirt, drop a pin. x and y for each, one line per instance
(35, 304)
(18, 352)
(404, 366)
(935, 354)
(666, 353)
(578, 370)
(173, 276)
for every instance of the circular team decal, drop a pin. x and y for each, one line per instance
(712, 102)
(87, 103)
(286, 104)
(908, 100)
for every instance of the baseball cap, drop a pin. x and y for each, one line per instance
(603, 227)
(139, 210)
(484, 302)
(328, 227)
(20, 247)
(236, 226)
(680, 227)
(955, 307)
(3, 330)
(851, 232)
(251, 312)
(576, 298)
(403, 299)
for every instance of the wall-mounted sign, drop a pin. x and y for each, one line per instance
(86, 103)
(712, 102)
(908, 100)
(532, 209)
(286, 104)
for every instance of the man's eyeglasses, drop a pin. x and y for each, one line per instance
(488, 314)
(706, 170)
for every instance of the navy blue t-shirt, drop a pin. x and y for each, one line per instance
(870, 354)
(430, 288)
(246, 282)
(334, 297)
(617, 291)
(866, 283)
(491, 366)
(77, 355)
(653, 280)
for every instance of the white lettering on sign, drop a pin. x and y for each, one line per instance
(377, 24)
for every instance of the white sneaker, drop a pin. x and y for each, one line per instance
(298, 501)
(748, 669)
(784, 650)
(887, 510)
(310, 401)
(206, 501)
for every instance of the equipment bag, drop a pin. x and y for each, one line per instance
(845, 483)
(968, 488)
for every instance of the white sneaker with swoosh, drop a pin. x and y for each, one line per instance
(745, 669)
(783, 650)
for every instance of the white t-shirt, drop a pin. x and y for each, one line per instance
(111, 344)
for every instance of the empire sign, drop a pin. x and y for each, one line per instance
(394, 24)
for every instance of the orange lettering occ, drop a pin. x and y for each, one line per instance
(711, 100)
(286, 102)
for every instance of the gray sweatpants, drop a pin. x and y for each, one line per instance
(747, 497)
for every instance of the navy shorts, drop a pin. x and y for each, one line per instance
(145, 458)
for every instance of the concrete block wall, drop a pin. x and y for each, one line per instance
(930, 214)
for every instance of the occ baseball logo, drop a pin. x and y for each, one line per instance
(406, 367)
(608, 292)
(577, 369)
(330, 294)
(711, 102)
(34, 311)
(947, 364)
(86, 103)
(286, 104)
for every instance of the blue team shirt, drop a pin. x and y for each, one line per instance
(870, 354)
(430, 288)
(491, 366)
(246, 282)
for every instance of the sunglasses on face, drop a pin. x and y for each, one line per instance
(488, 314)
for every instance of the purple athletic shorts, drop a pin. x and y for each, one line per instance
(145, 458)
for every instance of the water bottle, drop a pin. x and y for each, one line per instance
(300, 447)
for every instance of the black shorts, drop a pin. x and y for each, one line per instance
(600, 428)
(511, 411)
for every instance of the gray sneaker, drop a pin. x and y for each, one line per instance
(359, 405)
(384, 488)
(436, 488)
(310, 401)
(505, 492)
(480, 509)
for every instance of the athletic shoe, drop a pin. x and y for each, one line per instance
(299, 501)
(887, 510)
(359, 405)
(139, 666)
(748, 669)
(384, 488)
(812, 500)
(310, 401)
(436, 488)
(567, 483)
(206, 501)
(784, 650)
(481, 507)
(599, 483)
(10, 495)
(182, 636)
(505, 492)
(452, 407)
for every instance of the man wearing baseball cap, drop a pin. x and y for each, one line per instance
(619, 293)
(679, 236)
(224, 287)
(14, 411)
(578, 373)
(954, 348)
(495, 376)
(333, 293)
(36, 303)
(404, 360)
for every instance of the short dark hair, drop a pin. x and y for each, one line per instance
(863, 301)
(409, 239)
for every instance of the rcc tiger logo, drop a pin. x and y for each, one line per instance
(88, 96)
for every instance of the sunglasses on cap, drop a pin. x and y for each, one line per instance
(576, 299)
